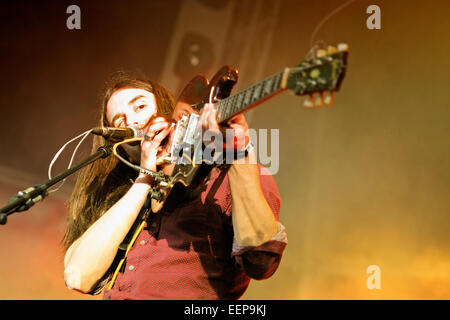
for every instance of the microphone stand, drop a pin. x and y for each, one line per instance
(25, 199)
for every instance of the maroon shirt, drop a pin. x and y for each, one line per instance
(188, 252)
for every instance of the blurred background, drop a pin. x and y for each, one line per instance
(365, 182)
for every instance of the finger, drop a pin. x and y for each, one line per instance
(162, 135)
(237, 125)
(238, 119)
(158, 119)
(153, 132)
(154, 128)
(240, 132)
(239, 129)
(152, 121)
(212, 120)
(204, 116)
(172, 130)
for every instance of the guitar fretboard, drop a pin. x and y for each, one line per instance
(249, 97)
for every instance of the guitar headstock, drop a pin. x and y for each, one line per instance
(319, 77)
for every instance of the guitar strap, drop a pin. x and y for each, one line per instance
(124, 248)
(128, 247)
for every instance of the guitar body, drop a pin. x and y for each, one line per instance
(198, 91)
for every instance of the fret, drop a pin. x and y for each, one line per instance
(239, 100)
(235, 108)
(229, 112)
(235, 103)
(276, 83)
(220, 109)
(256, 92)
(267, 84)
(226, 108)
(247, 95)
(229, 105)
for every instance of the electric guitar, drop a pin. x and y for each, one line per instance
(318, 78)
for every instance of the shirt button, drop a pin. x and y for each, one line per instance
(131, 268)
(154, 224)
(142, 242)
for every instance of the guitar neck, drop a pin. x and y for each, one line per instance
(251, 96)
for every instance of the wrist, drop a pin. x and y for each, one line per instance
(144, 179)
(244, 152)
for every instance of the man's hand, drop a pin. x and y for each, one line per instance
(155, 133)
(238, 123)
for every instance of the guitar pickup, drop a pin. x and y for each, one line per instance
(186, 133)
(191, 129)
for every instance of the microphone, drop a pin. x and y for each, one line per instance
(118, 134)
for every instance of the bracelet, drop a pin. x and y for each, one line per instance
(249, 148)
(158, 176)
(244, 153)
(145, 171)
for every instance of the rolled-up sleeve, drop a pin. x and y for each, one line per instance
(261, 262)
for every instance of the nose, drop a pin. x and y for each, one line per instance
(132, 120)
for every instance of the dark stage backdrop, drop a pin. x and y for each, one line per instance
(363, 183)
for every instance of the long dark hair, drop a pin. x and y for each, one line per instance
(105, 181)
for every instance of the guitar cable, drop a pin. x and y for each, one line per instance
(158, 176)
(321, 23)
(83, 137)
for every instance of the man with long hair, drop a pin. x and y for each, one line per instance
(205, 243)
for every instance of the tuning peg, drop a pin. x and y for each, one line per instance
(328, 98)
(342, 47)
(318, 100)
(332, 50)
(321, 53)
(309, 101)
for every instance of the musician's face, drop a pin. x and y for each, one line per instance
(130, 107)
